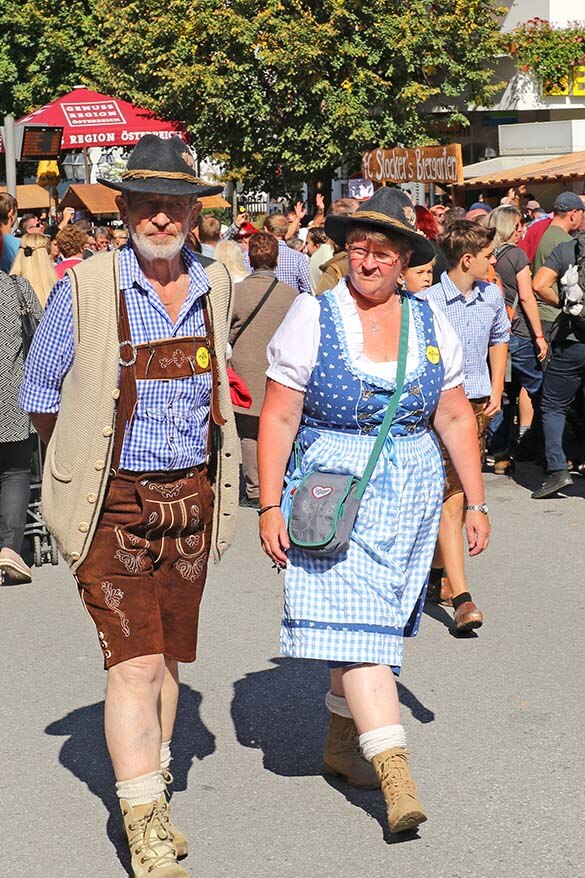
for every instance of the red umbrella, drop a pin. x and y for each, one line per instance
(92, 119)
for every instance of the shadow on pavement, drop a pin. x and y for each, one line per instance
(438, 613)
(85, 755)
(281, 711)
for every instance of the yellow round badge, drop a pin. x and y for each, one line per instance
(202, 357)
(433, 354)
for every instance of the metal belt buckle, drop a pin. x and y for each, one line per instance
(134, 354)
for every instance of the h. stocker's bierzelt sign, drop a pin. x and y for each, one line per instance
(418, 164)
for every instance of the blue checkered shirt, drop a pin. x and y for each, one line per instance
(293, 268)
(480, 321)
(169, 427)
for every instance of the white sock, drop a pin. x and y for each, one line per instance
(337, 704)
(141, 790)
(381, 739)
(165, 755)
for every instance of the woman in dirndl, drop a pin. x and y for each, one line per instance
(332, 373)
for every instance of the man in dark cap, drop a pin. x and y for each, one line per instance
(126, 381)
(567, 217)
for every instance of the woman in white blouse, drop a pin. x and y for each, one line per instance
(331, 375)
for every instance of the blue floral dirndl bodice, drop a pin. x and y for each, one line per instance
(339, 396)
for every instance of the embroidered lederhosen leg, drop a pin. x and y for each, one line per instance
(143, 579)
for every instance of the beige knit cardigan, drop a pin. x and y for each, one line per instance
(79, 454)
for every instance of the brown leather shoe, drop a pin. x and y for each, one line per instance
(446, 595)
(467, 617)
(503, 467)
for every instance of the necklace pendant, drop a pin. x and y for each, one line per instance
(375, 327)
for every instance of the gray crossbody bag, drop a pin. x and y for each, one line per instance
(324, 506)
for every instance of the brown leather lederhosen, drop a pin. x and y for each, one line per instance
(452, 482)
(143, 578)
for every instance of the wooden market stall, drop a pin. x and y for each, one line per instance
(543, 179)
(30, 197)
(100, 201)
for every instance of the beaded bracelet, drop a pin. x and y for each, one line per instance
(266, 508)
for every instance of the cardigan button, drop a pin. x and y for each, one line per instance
(91, 498)
(107, 431)
(83, 527)
(100, 464)
(116, 393)
(74, 556)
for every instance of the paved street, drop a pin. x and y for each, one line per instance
(495, 723)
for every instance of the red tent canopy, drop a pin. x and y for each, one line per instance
(92, 119)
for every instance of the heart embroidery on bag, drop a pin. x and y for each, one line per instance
(320, 491)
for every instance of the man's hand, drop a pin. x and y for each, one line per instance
(493, 405)
(542, 349)
(319, 203)
(68, 214)
(241, 219)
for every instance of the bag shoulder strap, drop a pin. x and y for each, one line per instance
(393, 405)
(251, 316)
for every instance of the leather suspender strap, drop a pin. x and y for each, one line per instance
(128, 396)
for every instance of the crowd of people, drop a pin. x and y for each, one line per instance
(384, 348)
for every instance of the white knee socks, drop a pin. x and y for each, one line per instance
(337, 704)
(165, 755)
(141, 790)
(381, 739)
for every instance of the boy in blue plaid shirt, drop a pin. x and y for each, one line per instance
(477, 312)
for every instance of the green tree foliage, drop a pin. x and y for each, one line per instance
(44, 50)
(277, 89)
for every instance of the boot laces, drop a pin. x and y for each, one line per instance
(167, 777)
(395, 775)
(150, 839)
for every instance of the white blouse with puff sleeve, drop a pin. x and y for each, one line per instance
(293, 349)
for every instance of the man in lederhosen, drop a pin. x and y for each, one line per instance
(126, 382)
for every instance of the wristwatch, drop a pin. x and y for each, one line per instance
(481, 507)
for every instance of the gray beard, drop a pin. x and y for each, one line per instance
(149, 250)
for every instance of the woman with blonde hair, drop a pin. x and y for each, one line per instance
(528, 348)
(231, 256)
(34, 263)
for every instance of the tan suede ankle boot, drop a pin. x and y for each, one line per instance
(180, 838)
(342, 754)
(404, 809)
(150, 841)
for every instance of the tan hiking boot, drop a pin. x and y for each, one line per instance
(180, 838)
(404, 809)
(150, 841)
(342, 754)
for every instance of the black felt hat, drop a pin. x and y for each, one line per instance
(163, 167)
(389, 211)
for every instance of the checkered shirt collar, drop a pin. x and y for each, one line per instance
(452, 293)
(131, 274)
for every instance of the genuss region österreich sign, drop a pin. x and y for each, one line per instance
(92, 119)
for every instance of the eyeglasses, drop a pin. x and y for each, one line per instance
(358, 254)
